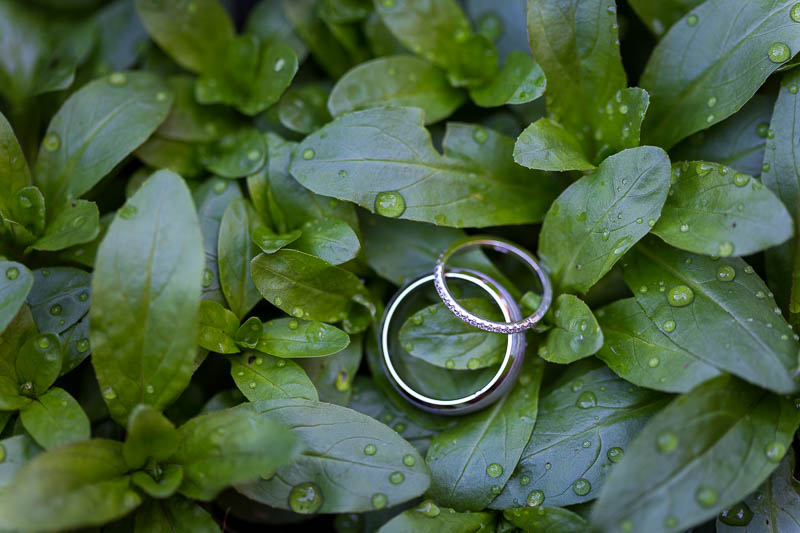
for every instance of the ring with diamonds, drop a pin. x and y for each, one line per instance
(503, 246)
(500, 382)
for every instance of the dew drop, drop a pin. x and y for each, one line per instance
(737, 515)
(279, 63)
(396, 478)
(702, 168)
(706, 496)
(480, 135)
(775, 451)
(305, 498)
(795, 12)
(691, 20)
(378, 500)
(615, 455)
(524, 480)
(390, 204)
(127, 211)
(778, 53)
(82, 345)
(726, 273)
(428, 508)
(653, 362)
(535, 498)
(793, 89)
(581, 487)
(409, 460)
(12, 273)
(308, 153)
(44, 342)
(725, 248)
(667, 442)
(150, 389)
(109, 394)
(684, 228)
(208, 278)
(586, 400)
(2, 453)
(293, 324)
(449, 364)
(494, 470)
(740, 179)
(117, 78)
(51, 142)
(473, 364)
(712, 101)
(55, 309)
(680, 296)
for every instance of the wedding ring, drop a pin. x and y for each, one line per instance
(496, 387)
(505, 247)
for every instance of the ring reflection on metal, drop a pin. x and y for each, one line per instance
(496, 387)
(505, 247)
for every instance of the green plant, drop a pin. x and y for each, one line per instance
(205, 205)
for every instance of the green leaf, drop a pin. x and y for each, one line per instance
(601, 216)
(121, 36)
(193, 33)
(383, 160)
(38, 363)
(296, 338)
(15, 334)
(774, 507)
(547, 145)
(440, 338)
(174, 515)
(54, 419)
(269, 241)
(659, 15)
(427, 516)
(576, 333)
(636, 350)
(303, 285)
(249, 332)
(236, 250)
(251, 76)
(15, 284)
(521, 80)
(75, 223)
(231, 446)
(345, 477)
(146, 296)
(96, 128)
(547, 519)
(17, 451)
(212, 198)
(60, 297)
(265, 377)
(472, 461)
(330, 239)
(26, 216)
(191, 121)
(404, 81)
(326, 49)
(82, 484)
(303, 108)
(169, 480)
(14, 173)
(150, 435)
(180, 157)
(576, 43)
(235, 155)
(218, 328)
(586, 421)
(689, 95)
(723, 314)
(333, 375)
(714, 210)
(685, 465)
(621, 122)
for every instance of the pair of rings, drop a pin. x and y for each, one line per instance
(514, 326)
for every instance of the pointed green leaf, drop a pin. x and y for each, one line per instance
(547, 145)
(15, 284)
(75, 223)
(265, 377)
(14, 173)
(575, 333)
(620, 123)
(235, 155)
(218, 327)
(236, 250)
(297, 338)
(521, 80)
(54, 419)
(150, 435)
(330, 239)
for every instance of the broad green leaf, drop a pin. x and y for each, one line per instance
(773, 508)
(427, 516)
(553, 519)
(54, 419)
(235, 155)
(60, 297)
(265, 377)
(268, 20)
(180, 157)
(714, 210)
(236, 250)
(15, 284)
(96, 128)
(439, 337)
(231, 446)
(212, 198)
(637, 351)
(333, 375)
(718, 310)
(586, 421)
(297, 338)
(659, 15)
(17, 451)
(75, 223)
(38, 363)
(146, 296)
(686, 464)
(344, 478)
(696, 79)
(250, 77)
(330, 239)
(471, 462)
(601, 216)
(191, 121)
(218, 328)
(575, 333)
(326, 49)
(14, 173)
(403, 81)
(737, 142)
(304, 108)
(193, 32)
(169, 476)
(521, 80)
(26, 216)
(306, 286)
(82, 484)
(150, 435)
(383, 160)
(577, 46)
(620, 122)
(547, 145)
(174, 515)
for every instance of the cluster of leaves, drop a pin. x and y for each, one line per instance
(197, 189)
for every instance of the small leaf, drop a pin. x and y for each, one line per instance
(39, 363)
(291, 338)
(179, 515)
(303, 109)
(684, 467)
(333, 375)
(231, 446)
(330, 239)
(547, 519)
(265, 377)
(150, 435)
(621, 122)
(601, 216)
(547, 145)
(60, 297)
(26, 218)
(54, 419)
(15, 284)
(191, 121)
(427, 516)
(269, 241)
(714, 210)
(576, 333)
(343, 477)
(218, 328)
(235, 155)
(75, 223)
(521, 80)
(236, 250)
(249, 332)
(404, 81)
